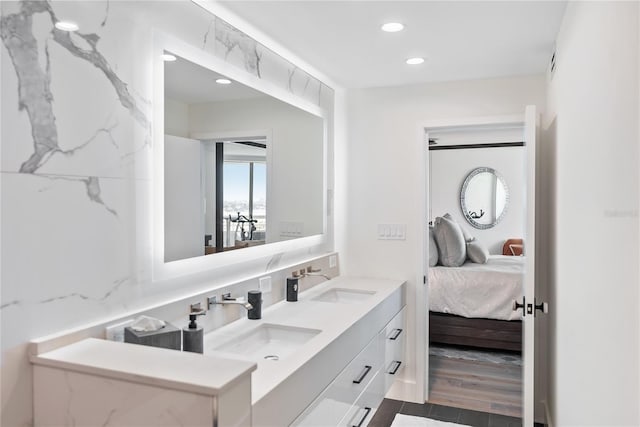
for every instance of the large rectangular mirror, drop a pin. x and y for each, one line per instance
(241, 168)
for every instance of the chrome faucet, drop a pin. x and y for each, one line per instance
(226, 299)
(310, 271)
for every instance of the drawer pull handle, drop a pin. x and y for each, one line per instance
(395, 369)
(397, 334)
(364, 373)
(366, 414)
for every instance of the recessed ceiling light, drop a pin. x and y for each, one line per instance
(415, 61)
(223, 81)
(392, 27)
(168, 57)
(66, 26)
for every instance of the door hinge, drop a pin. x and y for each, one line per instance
(424, 280)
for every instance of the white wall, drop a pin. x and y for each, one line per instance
(176, 118)
(384, 162)
(296, 173)
(449, 168)
(183, 205)
(77, 241)
(592, 127)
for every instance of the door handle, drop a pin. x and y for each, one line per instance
(543, 307)
(517, 306)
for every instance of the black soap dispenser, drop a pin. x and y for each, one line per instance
(193, 335)
(292, 289)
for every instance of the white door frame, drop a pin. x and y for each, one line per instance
(421, 296)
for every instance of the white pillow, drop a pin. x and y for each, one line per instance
(467, 237)
(433, 249)
(452, 248)
(477, 252)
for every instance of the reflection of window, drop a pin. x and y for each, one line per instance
(245, 195)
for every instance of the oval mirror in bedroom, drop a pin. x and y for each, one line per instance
(484, 197)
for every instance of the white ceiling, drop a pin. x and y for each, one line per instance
(460, 39)
(190, 83)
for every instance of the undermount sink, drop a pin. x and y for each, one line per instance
(344, 296)
(267, 341)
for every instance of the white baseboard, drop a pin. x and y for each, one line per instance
(403, 390)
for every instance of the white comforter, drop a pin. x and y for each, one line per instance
(478, 290)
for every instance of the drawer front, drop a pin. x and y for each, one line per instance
(394, 338)
(365, 407)
(334, 402)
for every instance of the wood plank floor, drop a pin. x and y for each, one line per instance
(479, 386)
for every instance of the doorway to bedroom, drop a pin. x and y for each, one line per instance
(477, 186)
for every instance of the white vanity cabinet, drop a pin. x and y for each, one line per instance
(99, 382)
(393, 338)
(353, 397)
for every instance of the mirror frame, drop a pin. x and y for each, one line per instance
(463, 204)
(164, 271)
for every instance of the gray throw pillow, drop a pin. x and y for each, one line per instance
(467, 237)
(433, 249)
(451, 245)
(477, 252)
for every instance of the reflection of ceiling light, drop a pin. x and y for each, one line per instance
(415, 61)
(66, 26)
(223, 81)
(168, 57)
(392, 27)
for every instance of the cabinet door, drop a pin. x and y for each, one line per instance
(334, 402)
(365, 407)
(394, 336)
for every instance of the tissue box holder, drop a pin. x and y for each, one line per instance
(167, 337)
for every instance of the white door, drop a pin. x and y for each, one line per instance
(528, 339)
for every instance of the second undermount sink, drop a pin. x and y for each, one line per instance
(267, 341)
(344, 296)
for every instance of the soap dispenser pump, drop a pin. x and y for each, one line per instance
(193, 335)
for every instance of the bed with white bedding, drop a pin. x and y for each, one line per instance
(472, 304)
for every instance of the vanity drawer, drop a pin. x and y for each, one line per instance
(336, 400)
(361, 413)
(393, 338)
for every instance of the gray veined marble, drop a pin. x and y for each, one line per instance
(93, 191)
(35, 96)
(115, 286)
(274, 262)
(205, 39)
(234, 41)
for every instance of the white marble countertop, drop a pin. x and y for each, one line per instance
(332, 319)
(153, 366)
(184, 371)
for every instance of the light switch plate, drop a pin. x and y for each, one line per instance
(392, 231)
(265, 284)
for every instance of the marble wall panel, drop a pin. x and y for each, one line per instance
(76, 165)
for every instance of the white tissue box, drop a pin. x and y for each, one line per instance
(167, 337)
